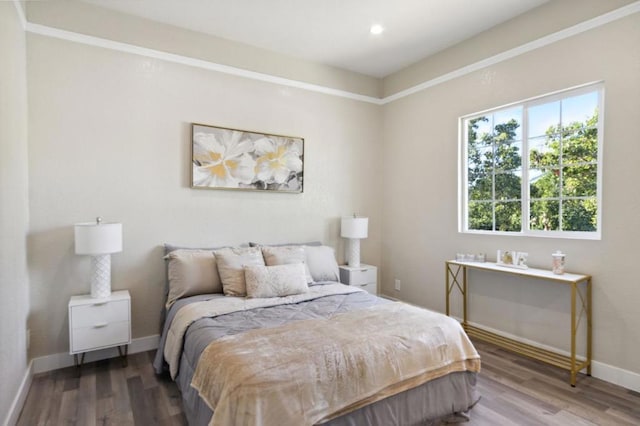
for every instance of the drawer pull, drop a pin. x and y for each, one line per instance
(101, 324)
(100, 303)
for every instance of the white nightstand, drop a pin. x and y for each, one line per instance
(99, 323)
(364, 276)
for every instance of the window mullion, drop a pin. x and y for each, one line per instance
(524, 191)
(494, 152)
(560, 173)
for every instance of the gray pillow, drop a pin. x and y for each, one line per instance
(322, 264)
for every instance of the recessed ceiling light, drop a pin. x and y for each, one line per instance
(376, 29)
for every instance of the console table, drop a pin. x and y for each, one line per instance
(453, 270)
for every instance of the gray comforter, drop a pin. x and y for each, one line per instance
(448, 395)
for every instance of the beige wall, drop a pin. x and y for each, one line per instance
(421, 157)
(110, 136)
(14, 212)
(92, 20)
(549, 18)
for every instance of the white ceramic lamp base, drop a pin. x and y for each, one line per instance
(353, 255)
(100, 276)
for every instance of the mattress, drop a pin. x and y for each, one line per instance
(448, 396)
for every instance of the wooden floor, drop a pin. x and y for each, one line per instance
(515, 391)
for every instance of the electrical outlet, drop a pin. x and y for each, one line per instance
(397, 285)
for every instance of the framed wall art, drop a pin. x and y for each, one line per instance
(224, 158)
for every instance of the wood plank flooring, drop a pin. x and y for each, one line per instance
(515, 391)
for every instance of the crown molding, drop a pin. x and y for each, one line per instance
(193, 62)
(239, 72)
(520, 50)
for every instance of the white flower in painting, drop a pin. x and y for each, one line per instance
(277, 158)
(222, 159)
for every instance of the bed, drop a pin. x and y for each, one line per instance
(331, 354)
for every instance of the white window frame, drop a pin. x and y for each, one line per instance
(463, 193)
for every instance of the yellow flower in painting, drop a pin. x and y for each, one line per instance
(222, 159)
(278, 158)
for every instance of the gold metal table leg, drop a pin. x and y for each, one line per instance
(447, 271)
(464, 297)
(589, 326)
(573, 334)
(452, 279)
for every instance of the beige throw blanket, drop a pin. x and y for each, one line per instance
(226, 305)
(310, 371)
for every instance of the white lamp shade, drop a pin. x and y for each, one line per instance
(92, 238)
(354, 227)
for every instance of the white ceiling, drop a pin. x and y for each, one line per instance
(335, 32)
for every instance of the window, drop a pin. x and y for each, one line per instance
(534, 167)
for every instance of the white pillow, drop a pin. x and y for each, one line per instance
(275, 281)
(231, 263)
(191, 272)
(322, 263)
(284, 255)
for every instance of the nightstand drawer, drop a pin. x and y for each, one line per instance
(99, 313)
(370, 287)
(100, 336)
(362, 276)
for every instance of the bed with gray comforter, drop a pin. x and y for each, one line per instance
(449, 397)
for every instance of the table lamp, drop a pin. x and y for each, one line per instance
(354, 228)
(99, 240)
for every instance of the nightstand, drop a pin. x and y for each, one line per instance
(364, 276)
(99, 323)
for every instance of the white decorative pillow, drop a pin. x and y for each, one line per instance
(191, 272)
(231, 263)
(275, 281)
(322, 264)
(284, 255)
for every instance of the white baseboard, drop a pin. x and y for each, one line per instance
(384, 296)
(21, 396)
(617, 376)
(55, 361)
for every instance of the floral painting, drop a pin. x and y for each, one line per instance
(236, 159)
